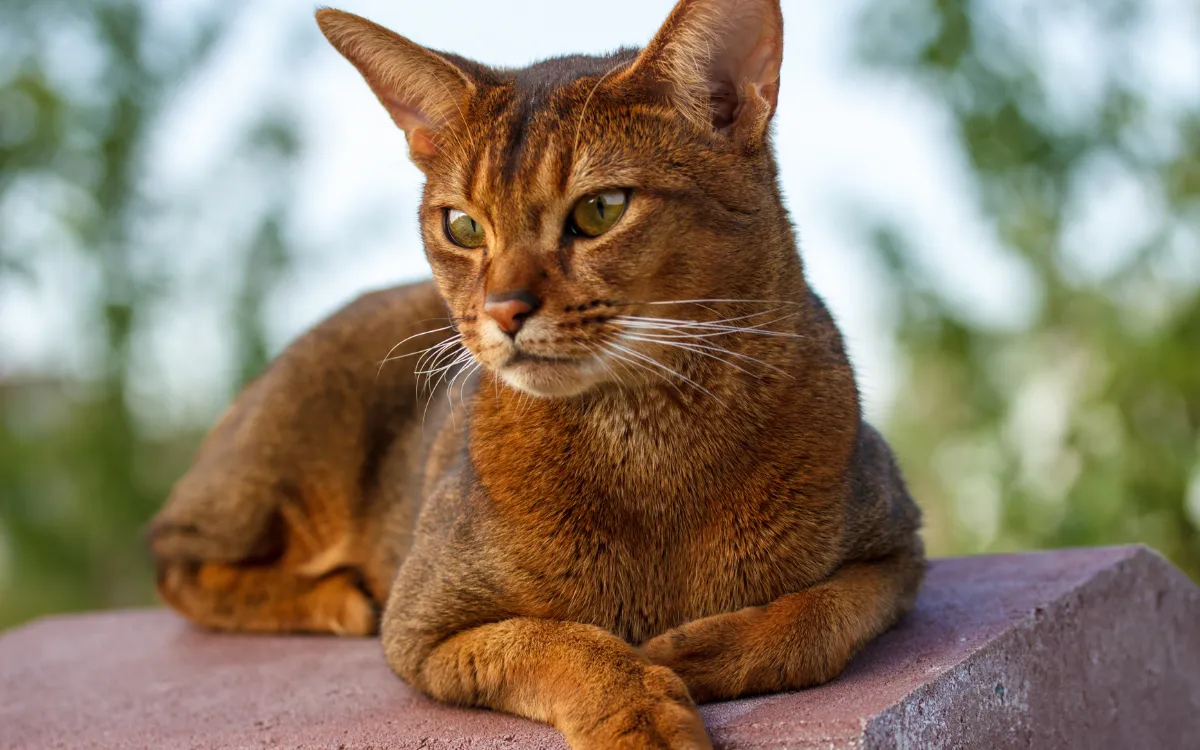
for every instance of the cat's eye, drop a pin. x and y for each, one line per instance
(597, 213)
(462, 229)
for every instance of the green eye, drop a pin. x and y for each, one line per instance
(462, 229)
(596, 214)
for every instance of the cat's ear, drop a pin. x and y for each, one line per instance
(421, 89)
(718, 62)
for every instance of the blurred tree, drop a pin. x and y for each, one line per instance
(84, 88)
(1082, 424)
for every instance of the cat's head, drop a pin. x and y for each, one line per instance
(572, 207)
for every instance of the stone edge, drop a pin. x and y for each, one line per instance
(941, 697)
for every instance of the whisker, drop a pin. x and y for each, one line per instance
(591, 350)
(449, 343)
(444, 364)
(454, 358)
(712, 329)
(623, 360)
(388, 357)
(476, 368)
(718, 321)
(684, 334)
(462, 357)
(688, 347)
(701, 342)
(434, 350)
(715, 301)
(455, 338)
(703, 350)
(430, 356)
(656, 363)
(653, 331)
(467, 367)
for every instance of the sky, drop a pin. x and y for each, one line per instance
(845, 139)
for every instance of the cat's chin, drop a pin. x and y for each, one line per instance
(558, 379)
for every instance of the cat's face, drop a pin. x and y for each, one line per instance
(548, 231)
(573, 205)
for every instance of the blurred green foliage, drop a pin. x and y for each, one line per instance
(1081, 424)
(82, 87)
(1078, 425)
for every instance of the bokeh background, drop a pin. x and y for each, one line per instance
(1000, 199)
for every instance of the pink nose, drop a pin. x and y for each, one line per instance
(510, 309)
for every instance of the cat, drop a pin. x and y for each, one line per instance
(610, 462)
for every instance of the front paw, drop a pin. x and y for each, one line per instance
(659, 715)
(704, 654)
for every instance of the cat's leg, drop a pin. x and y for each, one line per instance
(285, 573)
(267, 599)
(585, 681)
(453, 628)
(272, 528)
(261, 556)
(799, 640)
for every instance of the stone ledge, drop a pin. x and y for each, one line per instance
(1096, 647)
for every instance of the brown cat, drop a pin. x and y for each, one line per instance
(640, 476)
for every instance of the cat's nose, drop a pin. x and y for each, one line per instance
(511, 309)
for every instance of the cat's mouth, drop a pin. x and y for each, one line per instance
(549, 375)
(520, 357)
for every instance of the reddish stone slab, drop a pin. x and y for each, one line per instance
(1081, 647)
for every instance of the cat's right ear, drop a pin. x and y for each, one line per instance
(718, 63)
(421, 89)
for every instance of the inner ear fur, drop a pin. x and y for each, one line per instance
(718, 62)
(421, 90)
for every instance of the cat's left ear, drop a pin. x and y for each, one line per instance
(718, 62)
(421, 89)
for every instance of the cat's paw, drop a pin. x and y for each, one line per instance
(659, 716)
(343, 608)
(705, 655)
(267, 599)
